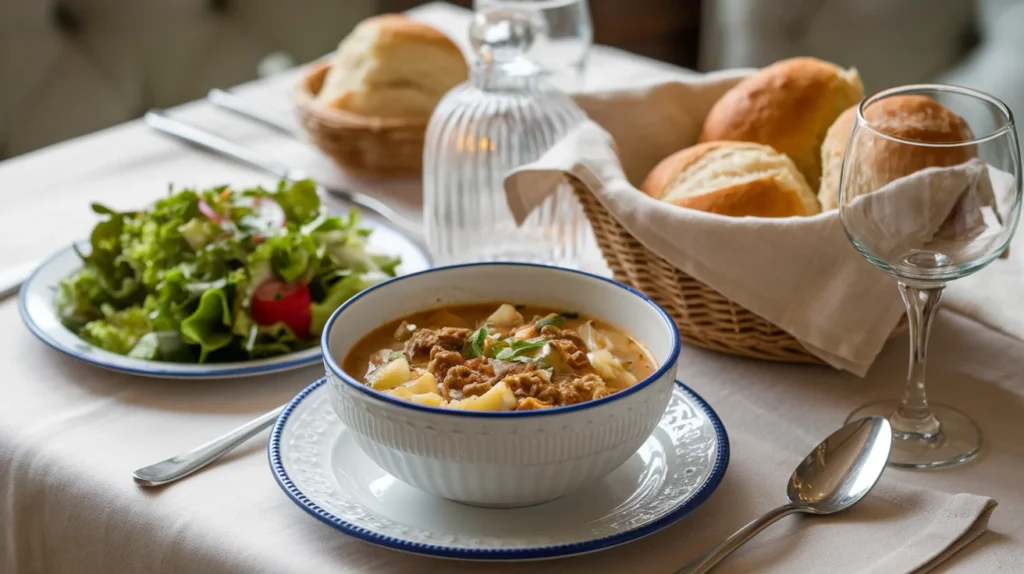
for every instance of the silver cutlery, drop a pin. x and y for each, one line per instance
(159, 121)
(244, 107)
(837, 474)
(12, 277)
(184, 464)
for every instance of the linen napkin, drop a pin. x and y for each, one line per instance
(995, 295)
(897, 529)
(799, 273)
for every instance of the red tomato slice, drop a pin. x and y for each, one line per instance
(277, 302)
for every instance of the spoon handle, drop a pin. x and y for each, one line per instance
(186, 463)
(708, 560)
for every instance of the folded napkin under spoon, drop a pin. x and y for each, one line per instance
(186, 463)
(837, 474)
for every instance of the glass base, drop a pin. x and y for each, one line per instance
(958, 440)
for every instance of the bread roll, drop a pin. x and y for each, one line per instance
(789, 106)
(732, 178)
(391, 66)
(881, 160)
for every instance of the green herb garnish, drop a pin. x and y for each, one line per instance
(516, 349)
(553, 319)
(474, 346)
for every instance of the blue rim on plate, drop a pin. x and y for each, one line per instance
(309, 356)
(120, 363)
(332, 364)
(491, 554)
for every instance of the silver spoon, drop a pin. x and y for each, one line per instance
(186, 463)
(837, 474)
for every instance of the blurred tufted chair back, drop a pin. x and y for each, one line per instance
(69, 67)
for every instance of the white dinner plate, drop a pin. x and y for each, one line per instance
(319, 466)
(38, 310)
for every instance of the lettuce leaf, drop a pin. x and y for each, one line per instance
(175, 282)
(162, 346)
(292, 257)
(272, 340)
(118, 331)
(337, 294)
(80, 297)
(210, 325)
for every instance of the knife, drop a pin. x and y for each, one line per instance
(12, 277)
(159, 121)
(244, 107)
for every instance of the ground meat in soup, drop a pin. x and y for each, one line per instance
(441, 361)
(585, 388)
(575, 357)
(532, 404)
(542, 363)
(423, 341)
(470, 379)
(553, 332)
(533, 384)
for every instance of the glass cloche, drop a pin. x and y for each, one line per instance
(503, 117)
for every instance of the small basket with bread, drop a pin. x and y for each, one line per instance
(715, 195)
(367, 107)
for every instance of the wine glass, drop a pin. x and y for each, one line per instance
(563, 33)
(930, 191)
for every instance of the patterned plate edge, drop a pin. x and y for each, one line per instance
(487, 554)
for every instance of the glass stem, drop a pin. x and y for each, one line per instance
(914, 419)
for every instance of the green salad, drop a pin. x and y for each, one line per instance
(218, 275)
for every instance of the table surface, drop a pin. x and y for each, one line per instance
(70, 435)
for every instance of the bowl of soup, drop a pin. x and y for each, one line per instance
(500, 384)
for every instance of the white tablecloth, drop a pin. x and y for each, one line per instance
(70, 435)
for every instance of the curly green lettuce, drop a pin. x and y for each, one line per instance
(176, 282)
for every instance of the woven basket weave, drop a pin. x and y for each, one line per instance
(703, 316)
(366, 146)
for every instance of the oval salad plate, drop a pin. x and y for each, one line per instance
(319, 466)
(39, 311)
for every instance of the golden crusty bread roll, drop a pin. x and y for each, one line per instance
(391, 66)
(788, 105)
(882, 160)
(732, 178)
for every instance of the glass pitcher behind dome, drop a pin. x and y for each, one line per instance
(503, 117)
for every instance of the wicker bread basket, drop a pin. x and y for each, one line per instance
(703, 316)
(366, 146)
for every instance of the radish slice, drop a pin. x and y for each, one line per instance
(209, 212)
(271, 212)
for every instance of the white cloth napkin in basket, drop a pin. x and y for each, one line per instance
(799, 273)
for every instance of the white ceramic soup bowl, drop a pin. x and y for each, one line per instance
(501, 458)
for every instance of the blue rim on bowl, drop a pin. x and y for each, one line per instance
(698, 498)
(333, 366)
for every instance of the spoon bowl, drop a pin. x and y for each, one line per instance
(837, 474)
(841, 470)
